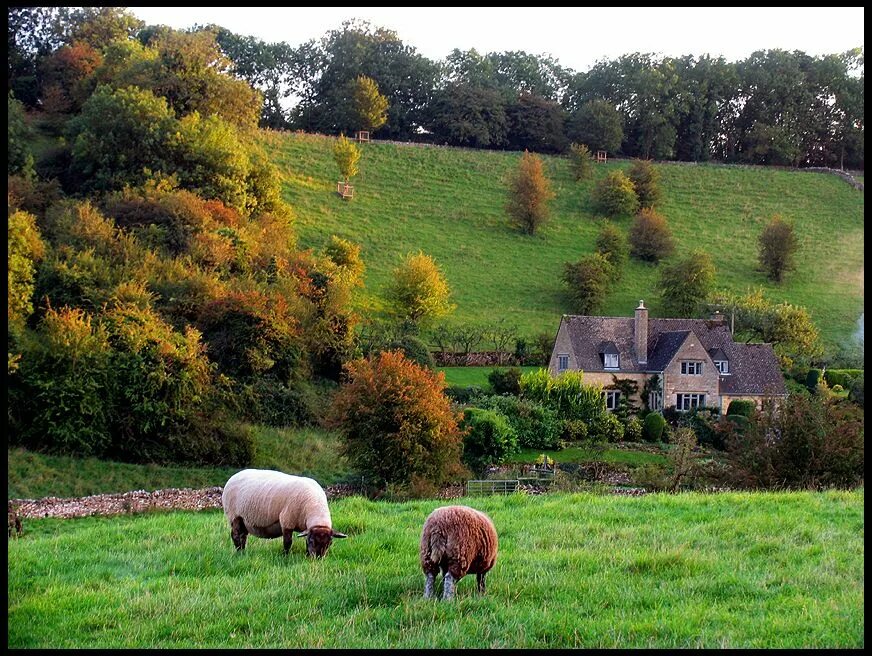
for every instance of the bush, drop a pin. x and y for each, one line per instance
(614, 195)
(703, 422)
(589, 281)
(574, 430)
(611, 244)
(505, 381)
(268, 401)
(415, 350)
(536, 426)
(608, 428)
(18, 135)
(812, 378)
(857, 391)
(843, 377)
(646, 182)
(633, 430)
(650, 237)
(686, 284)
(488, 440)
(463, 395)
(581, 161)
(395, 421)
(778, 246)
(419, 291)
(742, 422)
(744, 408)
(24, 248)
(654, 425)
(529, 194)
(566, 394)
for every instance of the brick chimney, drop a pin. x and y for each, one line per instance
(641, 333)
(717, 317)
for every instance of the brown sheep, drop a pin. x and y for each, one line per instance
(457, 540)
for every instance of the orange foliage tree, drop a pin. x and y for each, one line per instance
(397, 424)
(529, 193)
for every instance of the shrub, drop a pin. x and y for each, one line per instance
(574, 430)
(654, 425)
(740, 407)
(611, 244)
(686, 284)
(24, 248)
(18, 134)
(347, 155)
(646, 182)
(608, 428)
(566, 394)
(464, 395)
(614, 195)
(536, 426)
(589, 281)
(633, 430)
(395, 421)
(650, 238)
(419, 291)
(812, 378)
(415, 350)
(581, 161)
(702, 421)
(857, 391)
(778, 246)
(529, 194)
(488, 439)
(843, 377)
(505, 381)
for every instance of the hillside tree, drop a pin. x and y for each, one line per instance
(778, 246)
(529, 194)
(347, 155)
(419, 292)
(370, 107)
(686, 284)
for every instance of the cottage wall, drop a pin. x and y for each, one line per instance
(604, 378)
(562, 345)
(678, 383)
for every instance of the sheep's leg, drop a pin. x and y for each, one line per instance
(480, 578)
(238, 533)
(287, 538)
(429, 584)
(448, 586)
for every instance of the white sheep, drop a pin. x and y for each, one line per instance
(269, 504)
(457, 540)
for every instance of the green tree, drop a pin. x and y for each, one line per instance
(536, 124)
(19, 158)
(418, 291)
(599, 125)
(488, 439)
(646, 182)
(529, 194)
(778, 246)
(370, 107)
(588, 281)
(686, 284)
(347, 155)
(614, 195)
(24, 248)
(650, 237)
(612, 245)
(463, 115)
(581, 161)
(396, 423)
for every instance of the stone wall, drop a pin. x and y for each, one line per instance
(676, 383)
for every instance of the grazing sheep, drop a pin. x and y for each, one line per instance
(269, 504)
(458, 540)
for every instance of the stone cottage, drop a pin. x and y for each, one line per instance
(680, 363)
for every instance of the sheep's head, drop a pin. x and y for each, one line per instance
(319, 539)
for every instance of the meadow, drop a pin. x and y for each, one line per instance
(574, 570)
(450, 202)
(473, 376)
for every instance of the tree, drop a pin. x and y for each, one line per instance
(24, 247)
(612, 245)
(646, 181)
(529, 194)
(19, 159)
(650, 237)
(588, 281)
(581, 161)
(488, 439)
(614, 195)
(396, 423)
(598, 124)
(347, 155)
(686, 284)
(370, 107)
(463, 115)
(536, 124)
(419, 292)
(778, 245)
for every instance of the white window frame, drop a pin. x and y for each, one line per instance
(686, 367)
(607, 357)
(723, 367)
(685, 401)
(560, 361)
(613, 396)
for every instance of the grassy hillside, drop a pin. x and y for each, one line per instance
(449, 203)
(473, 376)
(688, 570)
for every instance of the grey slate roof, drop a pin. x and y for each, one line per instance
(754, 368)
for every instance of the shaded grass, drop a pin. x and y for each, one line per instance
(689, 570)
(473, 376)
(304, 451)
(450, 204)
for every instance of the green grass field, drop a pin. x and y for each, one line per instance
(305, 451)
(688, 570)
(449, 203)
(473, 376)
(577, 454)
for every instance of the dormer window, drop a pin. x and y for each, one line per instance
(611, 361)
(723, 366)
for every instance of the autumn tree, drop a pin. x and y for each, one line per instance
(686, 284)
(646, 182)
(778, 246)
(419, 291)
(614, 195)
(580, 161)
(370, 106)
(650, 237)
(396, 423)
(529, 194)
(588, 281)
(347, 155)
